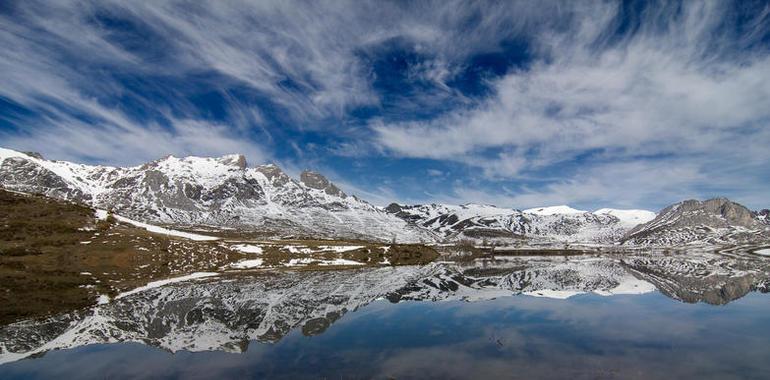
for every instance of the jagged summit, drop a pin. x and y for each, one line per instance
(317, 181)
(237, 160)
(220, 191)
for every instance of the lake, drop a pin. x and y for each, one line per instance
(438, 321)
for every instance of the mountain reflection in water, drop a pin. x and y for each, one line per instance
(479, 331)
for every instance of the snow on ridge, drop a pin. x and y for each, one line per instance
(554, 210)
(70, 172)
(631, 217)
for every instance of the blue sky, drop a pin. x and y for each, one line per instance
(518, 104)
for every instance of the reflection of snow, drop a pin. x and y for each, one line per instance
(321, 248)
(556, 294)
(247, 264)
(157, 284)
(307, 260)
(247, 248)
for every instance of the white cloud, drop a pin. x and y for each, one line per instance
(75, 141)
(434, 173)
(677, 88)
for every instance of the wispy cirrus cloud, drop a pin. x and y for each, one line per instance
(682, 92)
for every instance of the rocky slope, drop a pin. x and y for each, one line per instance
(714, 221)
(221, 192)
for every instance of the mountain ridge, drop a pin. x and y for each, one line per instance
(226, 192)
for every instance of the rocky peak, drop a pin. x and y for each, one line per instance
(237, 160)
(733, 213)
(317, 181)
(274, 174)
(696, 221)
(393, 208)
(35, 155)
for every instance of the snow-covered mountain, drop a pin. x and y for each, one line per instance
(221, 191)
(714, 221)
(225, 192)
(547, 224)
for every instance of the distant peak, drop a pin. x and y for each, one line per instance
(313, 179)
(273, 173)
(393, 208)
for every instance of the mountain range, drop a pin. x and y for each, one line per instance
(224, 192)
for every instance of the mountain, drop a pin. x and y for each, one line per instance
(197, 191)
(545, 224)
(226, 192)
(714, 221)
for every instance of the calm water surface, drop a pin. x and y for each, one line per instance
(585, 336)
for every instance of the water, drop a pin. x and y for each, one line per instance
(586, 336)
(708, 319)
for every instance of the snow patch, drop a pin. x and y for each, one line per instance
(101, 214)
(340, 248)
(247, 264)
(165, 231)
(247, 248)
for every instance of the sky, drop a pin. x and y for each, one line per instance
(514, 103)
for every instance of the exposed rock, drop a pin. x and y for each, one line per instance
(237, 160)
(317, 181)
